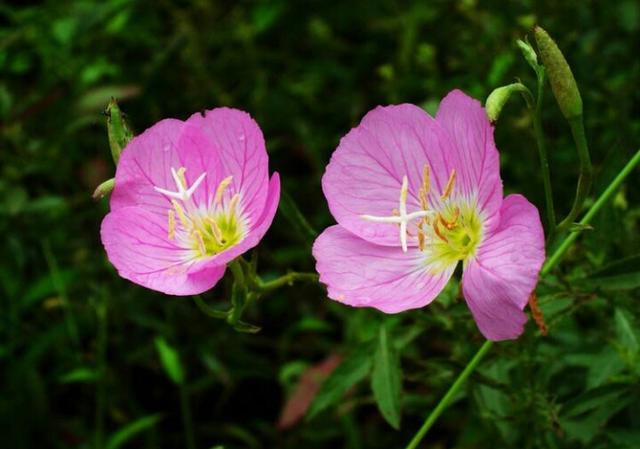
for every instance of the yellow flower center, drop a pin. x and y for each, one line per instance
(447, 231)
(205, 230)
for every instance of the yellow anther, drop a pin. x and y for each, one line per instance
(233, 203)
(423, 199)
(449, 187)
(172, 223)
(436, 229)
(200, 241)
(420, 239)
(181, 177)
(221, 188)
(450, 224)
(426, 179)
(215, 229)
(181, 215)
(404, 190)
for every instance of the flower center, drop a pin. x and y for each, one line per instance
(447, 230)
(208, 229)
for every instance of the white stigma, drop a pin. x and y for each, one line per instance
(402, 218)
(183, 193)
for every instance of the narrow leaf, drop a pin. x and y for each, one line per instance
(170, 361)
(130, 430)
(624, 329)
(351, 371)
(290, 211)
(386, 379)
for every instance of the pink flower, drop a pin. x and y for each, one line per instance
(413, 196)
(189, 197)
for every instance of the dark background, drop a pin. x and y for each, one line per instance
(77, 353)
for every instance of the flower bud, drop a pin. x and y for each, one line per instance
(529, 54)
(561, 79)
(117, 129)
(499, 97)
(104, 189)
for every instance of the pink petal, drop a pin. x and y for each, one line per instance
(146, 162)
(238, 141)
(363, 274)
(365, 173)
(137, 244)
(257, 229)
(475, 150)
(497, 283)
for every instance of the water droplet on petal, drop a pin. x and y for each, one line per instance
(241, 137)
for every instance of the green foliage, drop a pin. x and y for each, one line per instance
(307, 72)
(386, 379)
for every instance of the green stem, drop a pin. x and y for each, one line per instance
(542, 152)
(601, 201)
(450, 394)
(287, 279)
(187, 419)
(238, 292)
(586, 172)
(207, 310)
(548, 266)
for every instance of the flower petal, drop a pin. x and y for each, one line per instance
(365, 174)
(497, 283)
(475, 150)
(146, 162)
(363, 274)
(137, 244)
(257, 229)
(239, 142)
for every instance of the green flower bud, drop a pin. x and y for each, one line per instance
(529, 54)
(499, 97)
(560, 76)
(117, 129)
(104, 189)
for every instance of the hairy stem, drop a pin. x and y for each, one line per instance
(287, 279)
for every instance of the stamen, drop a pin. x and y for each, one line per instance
(234, 203)
(424, 190)
(404, 190)
(221, 188)
(198, 236)
(426, 179)
(215, 230)
(181, 215)
(449, 187)
(181, 178)
(453, 222)
(420, 239)
(436, 229)
(172, 224)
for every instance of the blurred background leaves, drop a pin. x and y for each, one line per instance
(79, 359)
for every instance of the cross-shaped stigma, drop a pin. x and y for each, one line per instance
(183, 193)
(402, 218)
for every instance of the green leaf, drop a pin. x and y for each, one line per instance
(79, 375)
(351, 371)
(170, 361)
(624, 330)
(386, 379)
(130, 430)
(623, 274)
